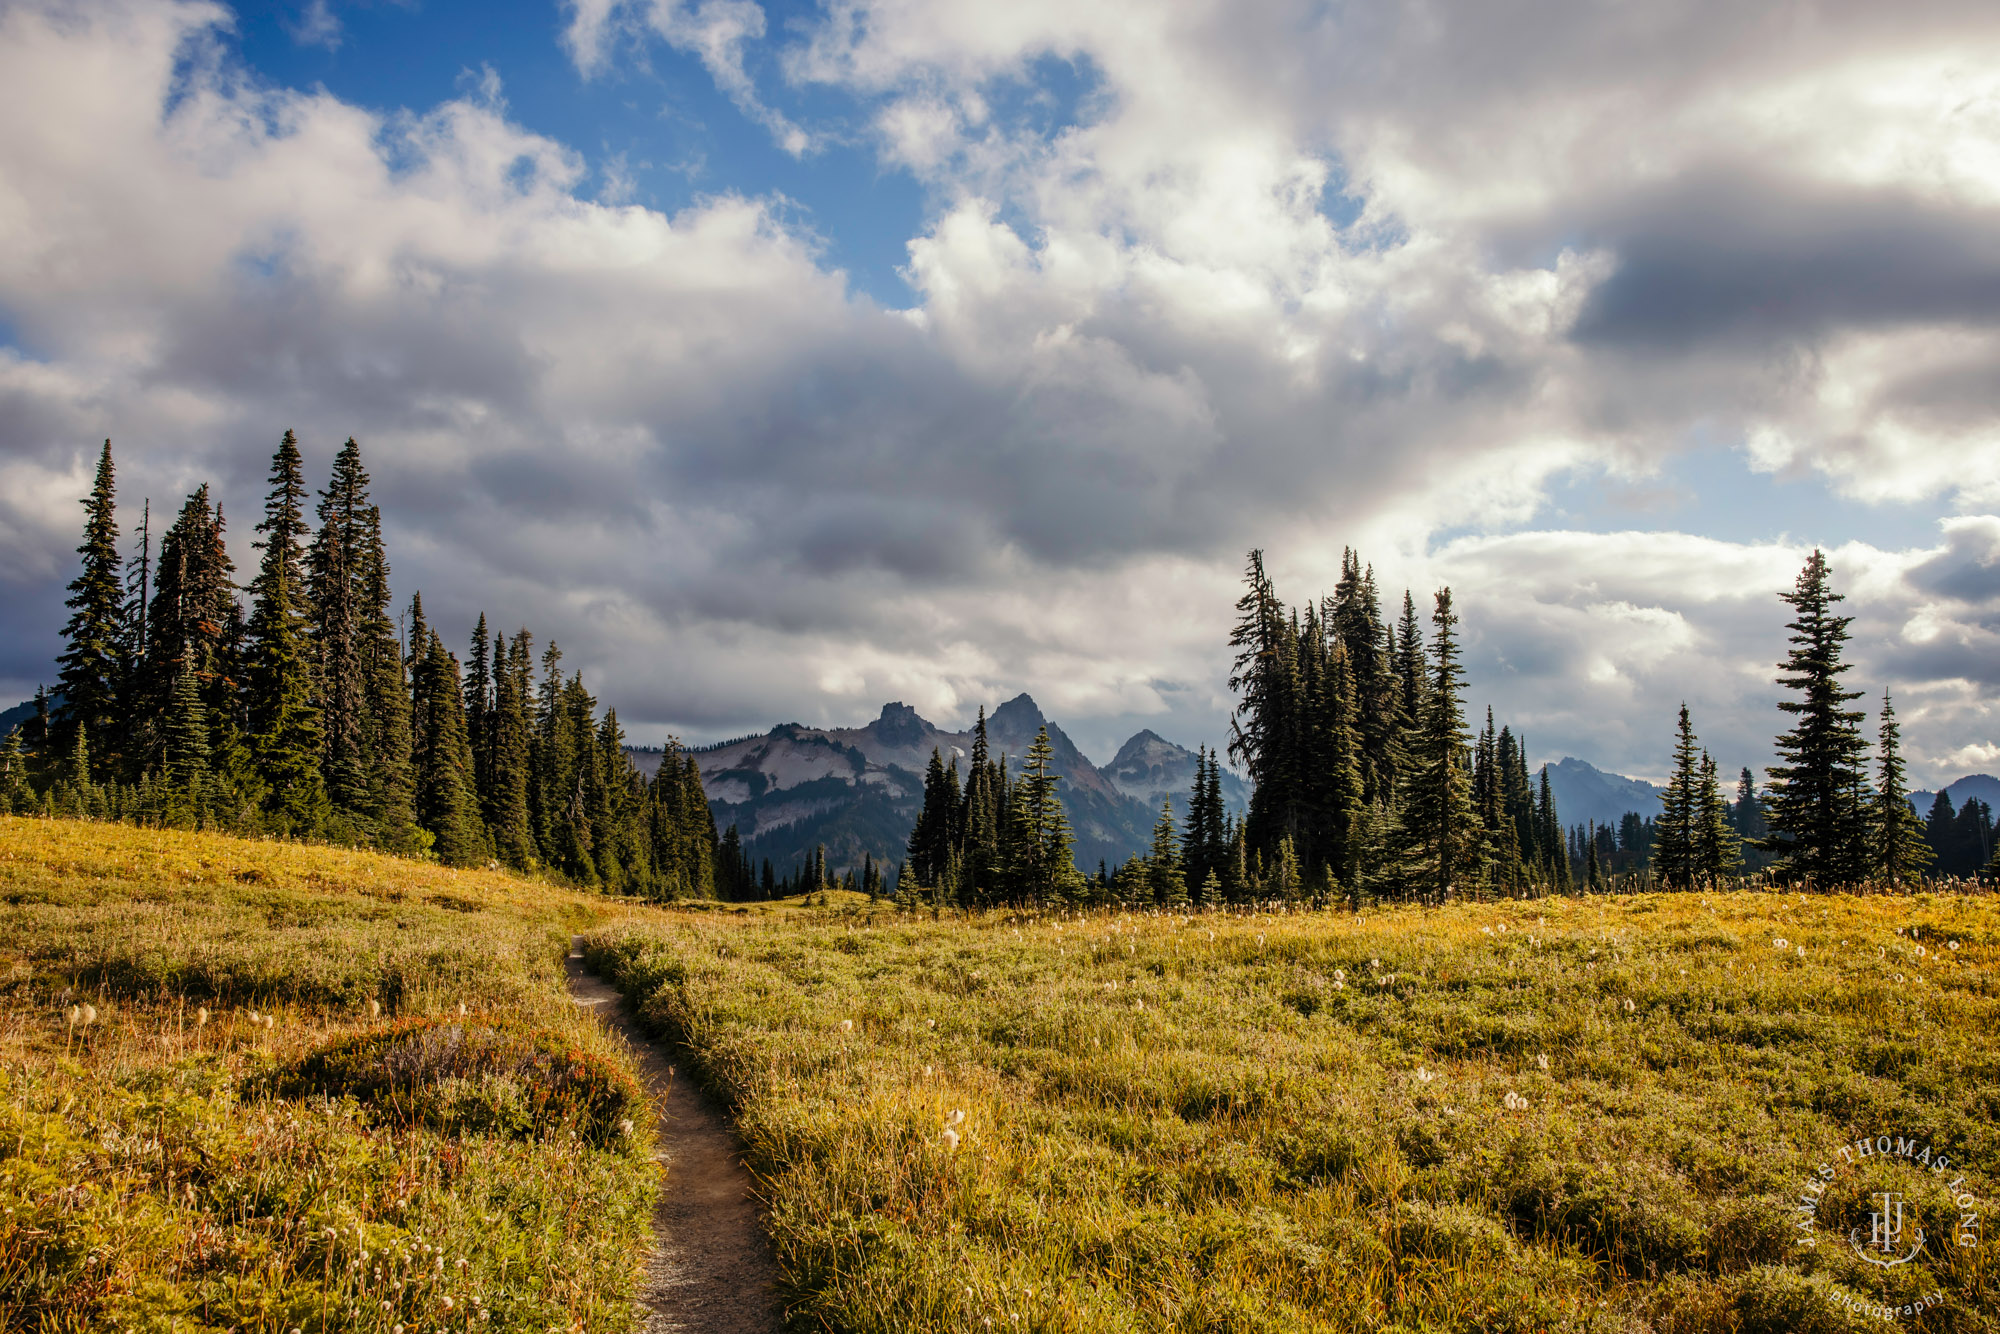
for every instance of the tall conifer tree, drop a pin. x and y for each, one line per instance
(1443, 846)
(446, 804)
(1718, 851)
(1042, 869)
(282, 708)
(93, 660)
(1818, 826)
(1675, 862)
(339, 570)
(1900, 852)
(507, 798)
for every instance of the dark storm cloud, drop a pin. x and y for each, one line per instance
(1968, 569)
(1733, 257)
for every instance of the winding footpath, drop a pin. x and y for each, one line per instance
(710, 1270)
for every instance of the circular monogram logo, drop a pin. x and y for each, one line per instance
(1897, 1206)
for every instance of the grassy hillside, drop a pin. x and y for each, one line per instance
(259, 1086)
(1585, 1115)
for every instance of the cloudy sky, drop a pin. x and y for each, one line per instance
(781, 360)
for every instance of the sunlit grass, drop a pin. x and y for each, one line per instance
(1560, 1114)
(156, 984)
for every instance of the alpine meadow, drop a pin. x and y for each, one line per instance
(885, 667)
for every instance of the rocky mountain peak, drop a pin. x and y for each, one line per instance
(1019, 716)
(900, 726)
(1142, 746)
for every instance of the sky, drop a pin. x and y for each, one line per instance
(782, 360)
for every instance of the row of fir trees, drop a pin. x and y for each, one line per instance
(1366, 778)
(1821, 821)
(316, 712)
(997, 839)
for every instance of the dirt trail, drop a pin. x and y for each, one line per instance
(711, 1270)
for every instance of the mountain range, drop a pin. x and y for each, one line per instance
(1983, 786)
(856, 790)
(1586, 794)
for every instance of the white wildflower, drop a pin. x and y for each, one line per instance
(1424, 1076)
(374, 1009)
(201, 1017)
(1543, 1060)
(1780, 943)
(950, 1138)
(89, 1015)
(847, 1025)
(1629, 1006)
(957, 1118)
(1952, 944)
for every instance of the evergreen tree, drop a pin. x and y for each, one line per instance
(1555, 856)
(1339, 787)
(1442, 843)
(1042, 870)
(1900, 851)
(1165, 877)
(506, 792)
(195, 619)
(1411, 669)
(479, 706)
(339, 565)
(442, 756)
(140, 722)
(1356, 622)
(1264, 729)
(184, 780)
(17, 796)
(283, 712)
(934, 840)
(1675, 860)
(1818, 826)
(1207, 846)
(983, 862)
(93, 659)
(386, 743)
(1748, 809)
(1718, 852)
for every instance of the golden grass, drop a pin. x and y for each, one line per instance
(1331, 1122)
(147, 1186)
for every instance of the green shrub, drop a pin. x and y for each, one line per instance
(465, 1077)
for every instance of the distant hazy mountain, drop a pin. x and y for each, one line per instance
(1150, 768)
(1585, 794)
(1983, 786)
(857, 789)
(14, 717)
